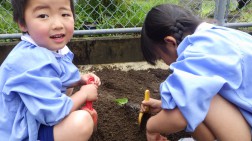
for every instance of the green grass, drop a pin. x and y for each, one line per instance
(246, 14)
(117, 13)
(6, 22)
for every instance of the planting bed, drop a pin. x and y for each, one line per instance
(119, 122)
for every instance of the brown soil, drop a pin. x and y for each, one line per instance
(119, 123)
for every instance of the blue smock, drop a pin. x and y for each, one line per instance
(212, 60)
(33, 82)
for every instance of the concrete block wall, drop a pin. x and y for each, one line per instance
(96, 50)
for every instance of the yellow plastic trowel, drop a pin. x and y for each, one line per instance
(144, 116)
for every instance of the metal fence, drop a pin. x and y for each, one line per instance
(127, 16)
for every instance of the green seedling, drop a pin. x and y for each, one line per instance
(121, 101)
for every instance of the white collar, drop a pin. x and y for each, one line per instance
(60, 52)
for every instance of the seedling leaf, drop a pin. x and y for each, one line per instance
(121, 101)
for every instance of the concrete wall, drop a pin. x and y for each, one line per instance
(96, 50)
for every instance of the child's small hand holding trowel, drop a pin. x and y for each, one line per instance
(89, 105)
(144, 114)
(149, 106)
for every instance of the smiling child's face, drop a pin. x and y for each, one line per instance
(50, 23)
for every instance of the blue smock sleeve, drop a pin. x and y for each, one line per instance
(203, 68)
(38, 80)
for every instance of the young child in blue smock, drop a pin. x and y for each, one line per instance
(38, 74)
(209, 91)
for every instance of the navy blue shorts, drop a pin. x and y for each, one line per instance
(45, 133)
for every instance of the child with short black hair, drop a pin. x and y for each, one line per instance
(38, 75)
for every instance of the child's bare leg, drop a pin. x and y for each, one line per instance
(69, 91)
(172, 120)
(202, 133)
(226, 122)
(175, 122)
(78, 126)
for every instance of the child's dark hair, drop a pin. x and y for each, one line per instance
(19, 9)
(165, 20)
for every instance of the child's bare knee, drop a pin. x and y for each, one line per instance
(82, 121)
(77, 126)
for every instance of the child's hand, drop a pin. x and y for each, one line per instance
(153, 104)
(90, 92)
(95, 79)
(155, 137)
